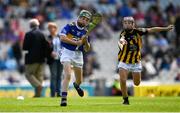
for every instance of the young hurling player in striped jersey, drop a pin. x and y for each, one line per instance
(129, 56)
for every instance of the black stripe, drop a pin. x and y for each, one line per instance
(130, 60)
(136, 57)
(132, 53)
(126, 53)
(121, 54)
(118, 55)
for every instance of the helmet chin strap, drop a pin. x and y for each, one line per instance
(80, 25)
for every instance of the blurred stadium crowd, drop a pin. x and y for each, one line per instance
(161, 51)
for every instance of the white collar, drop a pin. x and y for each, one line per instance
(80, 28)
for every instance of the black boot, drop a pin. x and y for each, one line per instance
(63, 102)
(78, 89)
(126, 101)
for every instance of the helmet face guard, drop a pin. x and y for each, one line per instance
(84, 18)
(128, 23)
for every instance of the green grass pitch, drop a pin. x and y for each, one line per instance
(91, 104)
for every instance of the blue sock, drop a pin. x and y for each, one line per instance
(64, 94)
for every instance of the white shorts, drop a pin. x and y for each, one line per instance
(73, 57)
(137, 67)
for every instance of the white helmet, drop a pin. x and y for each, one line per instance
(128, 18)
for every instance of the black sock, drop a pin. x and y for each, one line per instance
(63, 99)
(125, 98)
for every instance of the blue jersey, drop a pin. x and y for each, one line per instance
(72, 31)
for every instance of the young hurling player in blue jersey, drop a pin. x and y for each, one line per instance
(74, 42)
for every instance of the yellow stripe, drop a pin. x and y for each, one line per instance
(70, 36)
(139, 56)
(133, 58)
(140, 46)
(119, 54)
(136, 40)
(128, 57)
(124, 53)
(139, 41)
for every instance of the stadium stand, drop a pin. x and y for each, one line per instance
(161, 52)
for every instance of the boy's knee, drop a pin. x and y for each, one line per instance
(137, 83)
(122, 80)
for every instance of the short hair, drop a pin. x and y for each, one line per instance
(52, 24)
(34, 23)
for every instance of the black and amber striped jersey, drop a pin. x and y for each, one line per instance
(131, 52)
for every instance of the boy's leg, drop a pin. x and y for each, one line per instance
(79, 78)
(78, 71)
(65, 83)
(136, 78)
(136, 73)
(123, 73)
